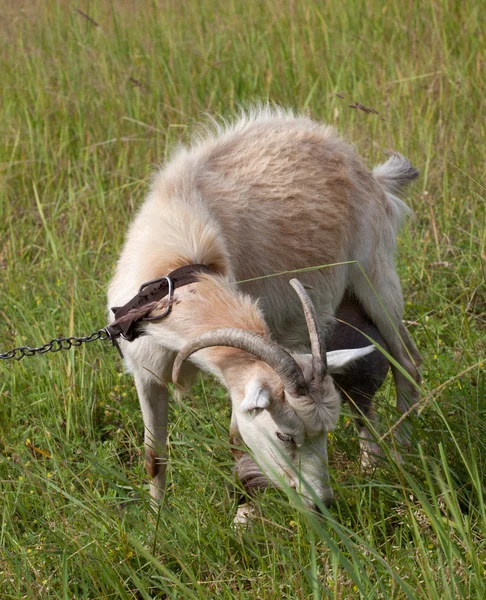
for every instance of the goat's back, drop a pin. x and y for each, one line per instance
(267, 193)
(285, 191)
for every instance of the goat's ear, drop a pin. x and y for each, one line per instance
(256, 396)
(339, 360)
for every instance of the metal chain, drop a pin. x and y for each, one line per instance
(55, 345)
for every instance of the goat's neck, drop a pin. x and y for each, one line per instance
(213, 303)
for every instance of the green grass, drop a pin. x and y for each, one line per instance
(87, 112)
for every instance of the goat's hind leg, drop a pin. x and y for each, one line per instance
(411, 347)
(383, 303)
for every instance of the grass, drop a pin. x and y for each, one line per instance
(89, 108)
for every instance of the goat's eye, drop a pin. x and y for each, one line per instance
(285, 437)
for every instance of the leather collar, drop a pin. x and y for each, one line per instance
(129, 316)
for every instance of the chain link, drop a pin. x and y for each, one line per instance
(54, 345)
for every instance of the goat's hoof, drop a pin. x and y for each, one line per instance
(370, 455)
(244, 516)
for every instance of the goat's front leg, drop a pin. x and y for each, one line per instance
(154, 402)
(362, 405)
(250, 477)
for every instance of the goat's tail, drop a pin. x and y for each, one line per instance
(393, 175)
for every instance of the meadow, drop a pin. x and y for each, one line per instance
(94, 96)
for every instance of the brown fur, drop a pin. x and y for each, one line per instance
(151, 464)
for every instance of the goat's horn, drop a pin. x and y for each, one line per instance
(265, 350)
(316, 335)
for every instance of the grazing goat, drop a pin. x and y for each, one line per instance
(267, 193)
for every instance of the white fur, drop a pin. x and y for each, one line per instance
(339, 360)
(256, 397)
(265, 193)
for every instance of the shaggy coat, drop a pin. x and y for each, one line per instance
(267, 193)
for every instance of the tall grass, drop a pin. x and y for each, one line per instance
(89, 107)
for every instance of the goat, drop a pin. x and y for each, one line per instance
(266, 193)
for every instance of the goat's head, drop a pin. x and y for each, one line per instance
(284, 404)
